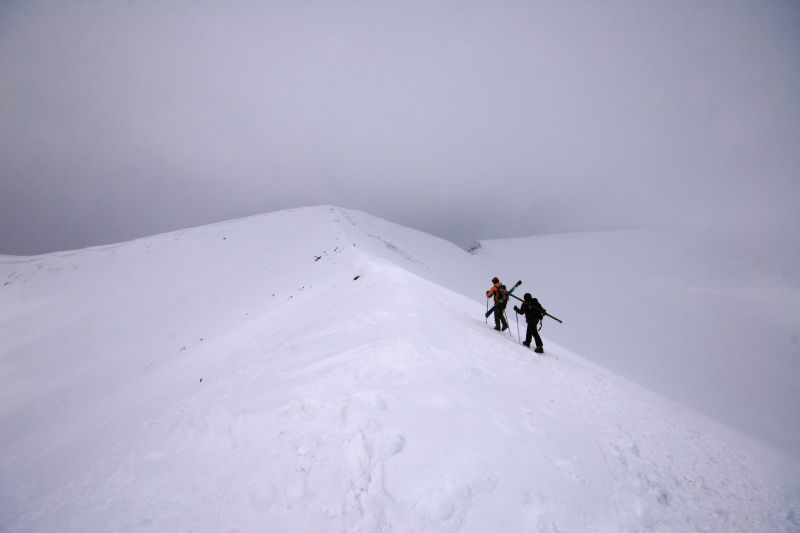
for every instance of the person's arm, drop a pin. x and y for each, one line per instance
(491, 292)
(520, 311)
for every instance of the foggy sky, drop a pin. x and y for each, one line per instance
(468, 120)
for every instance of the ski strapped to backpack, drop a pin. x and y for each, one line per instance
(544, 313)
(517, 284)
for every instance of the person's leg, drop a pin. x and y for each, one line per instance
(528, 334)
(539, 345)
(498, 314)
(503, 317)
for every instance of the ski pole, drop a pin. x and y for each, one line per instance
(487, 310)
(517, 315)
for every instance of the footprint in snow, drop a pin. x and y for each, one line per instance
(447, 505)
(262, 496)
(541, 512)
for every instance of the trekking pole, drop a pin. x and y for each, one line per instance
(487, 310)
(517, 315)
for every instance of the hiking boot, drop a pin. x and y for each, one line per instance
(526, 344)
(539, 349)
(505, 327)
(497, 328)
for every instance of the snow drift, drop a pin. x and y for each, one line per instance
(312, 370)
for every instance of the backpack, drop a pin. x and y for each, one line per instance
(536, 306)
(502, 294)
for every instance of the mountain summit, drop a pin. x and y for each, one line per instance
(320, 369)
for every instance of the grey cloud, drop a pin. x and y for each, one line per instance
(467, 120)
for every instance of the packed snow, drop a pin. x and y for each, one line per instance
(320, 369)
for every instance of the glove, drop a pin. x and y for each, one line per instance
(516, 308)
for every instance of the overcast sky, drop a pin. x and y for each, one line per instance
(465, 119)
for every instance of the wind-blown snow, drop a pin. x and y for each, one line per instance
(237, 377)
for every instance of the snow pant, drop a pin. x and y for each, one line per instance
(533, 331)
(499, 316)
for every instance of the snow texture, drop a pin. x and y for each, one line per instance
(312, 370)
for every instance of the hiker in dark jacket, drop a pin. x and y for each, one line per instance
(533, 312)
(500, 294)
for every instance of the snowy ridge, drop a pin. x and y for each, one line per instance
(237, 377)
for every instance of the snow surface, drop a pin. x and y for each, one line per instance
(236, 377)
(698, 317)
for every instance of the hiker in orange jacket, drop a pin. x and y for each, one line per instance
(500, 295)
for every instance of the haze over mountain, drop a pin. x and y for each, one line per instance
(496, 119)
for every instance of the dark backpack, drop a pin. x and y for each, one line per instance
(536, 306)
(502, 294)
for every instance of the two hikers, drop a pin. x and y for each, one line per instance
(533, 312)
(500, 295)
(531, 308)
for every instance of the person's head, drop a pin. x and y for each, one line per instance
(495, 280)
(528, 296)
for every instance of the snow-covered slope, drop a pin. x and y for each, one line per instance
(699, 317)
(239, 377)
